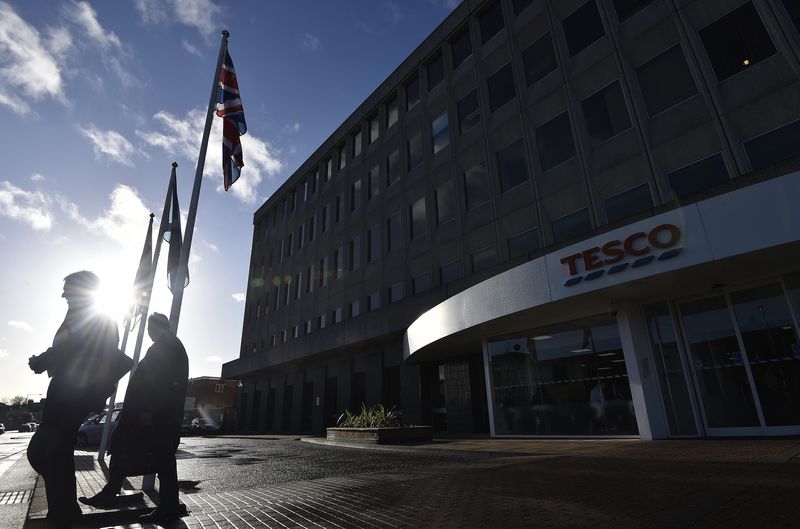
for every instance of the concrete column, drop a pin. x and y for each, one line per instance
(647, 402)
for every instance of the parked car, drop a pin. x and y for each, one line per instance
(2, 428)
(91, 431)
(28, 427)
(200, 426)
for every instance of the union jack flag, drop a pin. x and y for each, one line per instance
(229, 108)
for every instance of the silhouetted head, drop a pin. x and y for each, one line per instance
(79, 287)
(157, 325)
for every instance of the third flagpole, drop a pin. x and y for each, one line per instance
(183, 266)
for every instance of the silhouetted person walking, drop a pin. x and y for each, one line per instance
(149, 428)
(84, 364)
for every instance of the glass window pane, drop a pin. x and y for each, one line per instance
(374, 181)
(539, 59)
(628, 203)
(698, 176)
(736, 41)
(523, 243)
(412, 93)
(435, 72)
(418, 222)
(484, 259)
(476, 185)
(583, 27)
(627, 8)
(374, 128)
(773, 351)
(606, 113)
(501, 87)
(512, 165)
(519, 5)
(357, 144)
(665, 81)
(421, 282)
(469, 114)
(396, 292)
(566, 381)
(450, 271)
(393, 166)
(491, 22)
(414, 147)
(793, 8)
(571, 226)
(773, 147)
(391, 112)
(445, 203)
(555, 142)
(394, 232)
(440, 132)
(461, 47)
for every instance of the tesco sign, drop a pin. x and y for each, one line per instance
(643, 247)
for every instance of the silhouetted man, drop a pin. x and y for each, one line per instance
(84, 364)
(149, 429)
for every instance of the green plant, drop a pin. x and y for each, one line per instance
(375, 417)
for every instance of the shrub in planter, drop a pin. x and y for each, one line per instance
(375, 417)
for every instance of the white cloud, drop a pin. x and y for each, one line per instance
(37, 178)
(86, 17)
(393, 12)
(59, 41)
(121, 222)
(3, 353)
(29, 71)
(182, 137)
(30, 207)
(190, 48)
(21, 325)
(291, 128)
(210, 245)
(214, 358)
(109, 144)
(239, 297)
(310, 42)
(202, 15)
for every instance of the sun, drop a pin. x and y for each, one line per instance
(115, 295)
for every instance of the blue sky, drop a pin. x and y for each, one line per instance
(98, 99)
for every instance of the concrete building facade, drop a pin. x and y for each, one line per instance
(534, 224)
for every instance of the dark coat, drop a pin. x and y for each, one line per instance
(151, 416)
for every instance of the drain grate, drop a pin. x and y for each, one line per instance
(15, 497)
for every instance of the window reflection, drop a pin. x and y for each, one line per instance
(566, 381)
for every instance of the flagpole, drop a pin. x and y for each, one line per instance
(113, 399)
(183, 266)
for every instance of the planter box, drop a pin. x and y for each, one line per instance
(403, 434)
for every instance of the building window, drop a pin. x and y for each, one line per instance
(219, 388)
(461, 47)
(312, 226)
(272, 341)
(445, 203)
(373, 243)
(305, 190)
(627, 8)
(321, 321)
(665, 81)
(539, 59)
(583, 27)
(355, 253)
(354, 308)
(512, 166)
(293, 199)
(450, 271)
(554, 140)
(501, 87)
(324, 218)
(338, 262)
(328, 170)
(491, 22)
(698, 176)
(374, 129)
(276, 295)
(571, 226)
(392, 112)
(290, 245)
(355, 195)
(314, 182)
(308, 327)
(435, 72)
(476, 185)
(421, 282)
(280, 251)
(440, 132)
(374, 300)
(394, 232)
(336, 315)
(793, 8)
(523, 243)
(301, 235)
(342, 157)
(417, 215)
(309, 279)
(373, 181)
(519, 5)
(258, 310)
(414, 146)
(284, 336)
(396, 292)
(469, 113)
(628, 203)
(483, 259)
(356, 144)
(412, 92)
(773, 147)
(323, 272)
(339, 213)
(295, 331)
(606, 114)
(393, 166)
(736, 41)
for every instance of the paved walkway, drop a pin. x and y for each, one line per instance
(672, 484)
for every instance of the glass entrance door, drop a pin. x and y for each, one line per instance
(743, 350)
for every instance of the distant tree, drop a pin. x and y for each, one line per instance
(19, 400)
